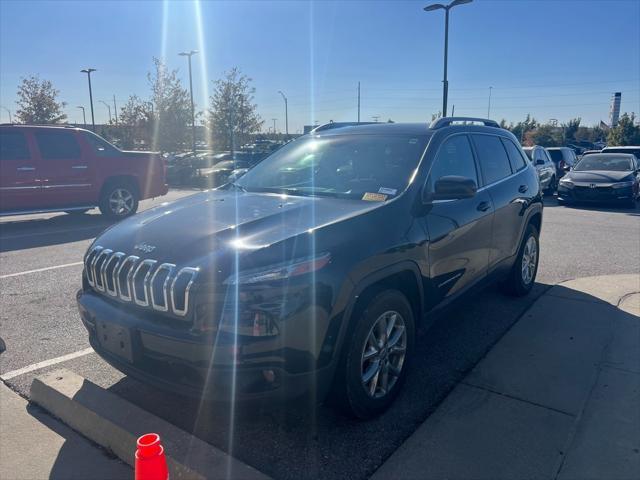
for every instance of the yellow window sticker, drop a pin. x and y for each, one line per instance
(374, 197)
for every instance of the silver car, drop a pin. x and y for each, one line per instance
(544, 166)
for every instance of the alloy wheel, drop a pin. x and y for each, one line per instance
(121, 201)
(383, 354)
(529, 260)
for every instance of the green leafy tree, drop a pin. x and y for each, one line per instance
(38, 102)
(233, 116)
(544, 135)
(135, 123)
(570, 128)
(520, 129)
(626, 132)
(171, 109)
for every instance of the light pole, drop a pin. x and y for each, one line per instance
(286, 113)
(446, 8)
(108, 107)
(274, 125)
(489, 107)
(115, 109)
(88, 72)
(9, 112)
(189, 54)
(84, 117)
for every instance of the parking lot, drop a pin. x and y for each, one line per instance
(40, 268)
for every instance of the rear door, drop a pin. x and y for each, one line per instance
(19, 187)
(508, 187)
(67, 170)
(459, 230)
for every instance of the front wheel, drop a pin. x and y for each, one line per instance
(374, 361)
(523, 273)
(119, 200)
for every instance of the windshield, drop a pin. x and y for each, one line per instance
(605, 162)
(348, 165)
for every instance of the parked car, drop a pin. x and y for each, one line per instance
(49, 169)
(219, 174)
(296, 281)
(564, 158)
(545, 167)
(602, 177)
(635, 150)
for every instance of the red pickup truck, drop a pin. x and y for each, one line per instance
(49, 169)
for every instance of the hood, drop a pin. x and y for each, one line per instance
(193, 227)
(598, 176)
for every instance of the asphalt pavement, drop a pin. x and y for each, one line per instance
(40, 272)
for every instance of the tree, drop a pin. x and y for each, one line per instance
(521, 128)
(38, 102)
(136, 123)
(570, 128)
(171, 107)
(626, 132)
(544, 135)
(232, 115)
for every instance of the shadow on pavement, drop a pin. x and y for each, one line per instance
(42, 232)
(302, 440)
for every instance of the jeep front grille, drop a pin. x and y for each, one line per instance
(142, 282)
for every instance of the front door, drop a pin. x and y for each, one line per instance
(66, 172)
(459, 230)
(19, 186)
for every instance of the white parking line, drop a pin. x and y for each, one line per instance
(74, 264)
(46, 363)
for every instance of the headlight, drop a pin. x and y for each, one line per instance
(280, 270)
(565, 182)
(623, 184)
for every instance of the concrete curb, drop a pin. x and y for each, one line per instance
(115, 424)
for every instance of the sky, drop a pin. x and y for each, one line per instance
(554, 59)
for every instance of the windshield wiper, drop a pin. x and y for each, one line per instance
(238, 187)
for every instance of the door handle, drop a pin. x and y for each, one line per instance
(79, 167)
(483, 206)
(25, 169)
(523, 188)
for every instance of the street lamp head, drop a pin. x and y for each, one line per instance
(88, 70)
(434, 6)
(188, 54)
(459, 2)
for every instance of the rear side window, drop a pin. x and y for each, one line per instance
(100, 146)
(453, 158)
(13, 146)
(493, 158)
(516, 158)
(58, 145)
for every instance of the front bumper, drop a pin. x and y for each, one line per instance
(216, 366)
(597, 194)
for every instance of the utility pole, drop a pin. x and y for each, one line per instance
(286, 113)
(88, 72)
(108, 108)
(193, 111)
(115, 109)
(274, 125)
(358, 102)
(489, 107)
(445, 82)
(84, 117)
(453, 110)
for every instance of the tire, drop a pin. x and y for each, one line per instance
(520, 279)
(119, 200)
(358, 390)
(551, 188)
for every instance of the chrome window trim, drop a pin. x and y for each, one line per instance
(165, 266)
(131, 259)
(98, 275)
(133, 291)
(117, 256)
(185, 270)
(88, 261)
(71, 185)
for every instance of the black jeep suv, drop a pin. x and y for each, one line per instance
(310, 274)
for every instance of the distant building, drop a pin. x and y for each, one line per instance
(614, 111)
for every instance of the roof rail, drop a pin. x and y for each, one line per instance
(447, 121)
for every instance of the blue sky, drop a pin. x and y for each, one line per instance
(554, 59)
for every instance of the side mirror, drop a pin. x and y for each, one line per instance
(453, 187)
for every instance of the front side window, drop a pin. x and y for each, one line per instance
(492, 157)
(100, 146)
(517, 160)
(341, 165)
(453, 158)
(58, 145)
(13, 146)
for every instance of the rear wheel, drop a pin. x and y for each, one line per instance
(374, 360)
(119, 200)
(551, 187)
(523, 273)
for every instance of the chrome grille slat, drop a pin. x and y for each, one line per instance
(103, 266)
